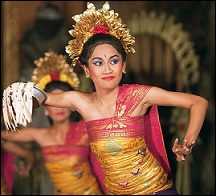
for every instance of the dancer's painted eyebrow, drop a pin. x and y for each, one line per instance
(114, 56)
(101, 58)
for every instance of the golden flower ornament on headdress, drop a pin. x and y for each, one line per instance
(54, 67)
(94, 21)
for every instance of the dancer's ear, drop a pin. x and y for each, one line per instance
(124, 67)
(87, 72)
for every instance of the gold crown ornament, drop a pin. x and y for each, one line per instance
(54, 67)
(97, 21)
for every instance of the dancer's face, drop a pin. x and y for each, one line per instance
(105, 66)
(58, 114)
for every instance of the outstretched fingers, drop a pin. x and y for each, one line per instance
(182, 150)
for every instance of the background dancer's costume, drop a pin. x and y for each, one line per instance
(69, 166)
(7, 172)
(4, 186)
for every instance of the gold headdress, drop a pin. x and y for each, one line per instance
(97, 21)
(54, 67)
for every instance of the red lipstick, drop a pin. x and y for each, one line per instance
(108, 78)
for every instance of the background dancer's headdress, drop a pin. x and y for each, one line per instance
(97, 21)
(18, 98)
(54, 67)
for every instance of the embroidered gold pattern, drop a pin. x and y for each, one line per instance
(113, 148)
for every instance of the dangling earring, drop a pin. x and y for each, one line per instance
(87, 75)
(124, 71)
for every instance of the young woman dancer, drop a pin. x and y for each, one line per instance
(122, 120)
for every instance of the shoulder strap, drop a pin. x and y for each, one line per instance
(77, 134)
(129, 98)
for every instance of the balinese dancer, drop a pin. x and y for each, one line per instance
(122, 120)
(65, 144)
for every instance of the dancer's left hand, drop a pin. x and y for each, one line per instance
(182, 150)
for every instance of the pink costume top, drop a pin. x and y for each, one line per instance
(130, 149)
(69, 165)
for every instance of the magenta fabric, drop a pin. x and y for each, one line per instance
(154, 138)
(76, 132)
(97, 171)
(7, 167)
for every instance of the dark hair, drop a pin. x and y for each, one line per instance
(57, 84)
(99, 39)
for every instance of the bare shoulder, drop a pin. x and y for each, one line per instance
(40, 133)
(78, 98)
(34, 131)
(87, 107)
(159, 96)
(88, 96)
(153, 94)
